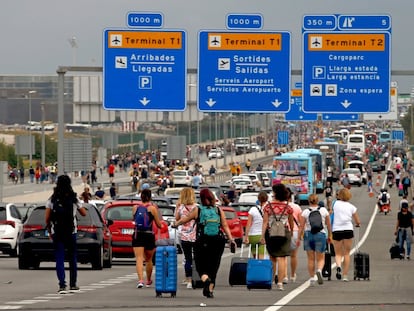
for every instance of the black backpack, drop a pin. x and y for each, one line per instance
(315, 220)
(384, 198)
(62, 218)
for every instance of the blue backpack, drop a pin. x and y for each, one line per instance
(209, 221)
(142, 219)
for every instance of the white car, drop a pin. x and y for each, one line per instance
(181, 178)
(215, 153)
(242, 184)
(354, 176)
(10, 228)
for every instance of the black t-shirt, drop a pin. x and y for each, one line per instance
(328, 191)
(405, 220)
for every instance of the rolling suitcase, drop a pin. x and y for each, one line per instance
(327, 267)
(166, 270)
(395, 251)
(361, 262)
(259, 273)
(195, 279)
(238, 269)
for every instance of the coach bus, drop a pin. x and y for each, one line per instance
(384, 137)
(356, 142)
(296, 169)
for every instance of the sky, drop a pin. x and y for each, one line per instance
(37, 34)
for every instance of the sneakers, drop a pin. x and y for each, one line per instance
(338, 273)
(189, 285)
(293, 278)
(62, 290)
(280, 287)
(285, 280)
(312, 281)
(140, 284)
(148, 283)
(345, 278)
(319, 277)
(74, 288)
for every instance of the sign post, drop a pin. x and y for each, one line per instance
(244, 71)
(144, 70)
(346, 63)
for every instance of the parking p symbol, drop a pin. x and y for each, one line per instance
(318, 72)
(145, 82)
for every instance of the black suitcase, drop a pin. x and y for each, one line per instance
(195, 278)
(327, 267)
(238, 269)
(361, 266)
(395, 251)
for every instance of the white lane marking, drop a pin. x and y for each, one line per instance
(10, 307)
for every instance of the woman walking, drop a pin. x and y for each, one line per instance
(143, 240)
(278, 249)
(314, 237)
(188, 230)
(345, 214)
(209, 245)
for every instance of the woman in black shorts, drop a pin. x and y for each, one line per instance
(345, 214)
(143, 242)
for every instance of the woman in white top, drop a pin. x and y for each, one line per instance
(254, 225)
(343, 231)
(314, 243)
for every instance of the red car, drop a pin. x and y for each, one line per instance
(234, 224)
(118, 215)
(242, 210)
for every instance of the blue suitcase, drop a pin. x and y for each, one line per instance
(259, 274)
(166, 270)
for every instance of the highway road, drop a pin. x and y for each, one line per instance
(389, 288)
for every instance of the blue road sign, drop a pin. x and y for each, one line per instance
(244, 21)
(144, 70)
(144, 19)
(340, 117)
(348, 69)
(296, 112)
(244, 71)
(397, 135)
(319, 22)
(283, 137)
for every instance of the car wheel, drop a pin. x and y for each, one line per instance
(108, 258)
(23, 263)
(13, 252)
(97, 259)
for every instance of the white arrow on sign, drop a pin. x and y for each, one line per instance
(276, 103)
(144, 101)
(326, 117)
(346, 103)
(210, 102)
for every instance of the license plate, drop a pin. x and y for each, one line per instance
(127, 231)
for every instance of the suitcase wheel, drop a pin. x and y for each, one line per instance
(173, 294)
(270, 287)
(329, 278)
(158, 294)
(248, 287)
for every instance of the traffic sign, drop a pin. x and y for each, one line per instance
(144, 70)
(283, 137)
(296, 112)
(144, 19)
(244, 21)
(347, 69)
(397, 135)
(244, 71)
(339, 117)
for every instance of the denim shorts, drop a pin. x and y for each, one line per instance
(314, 242)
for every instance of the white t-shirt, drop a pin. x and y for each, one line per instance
(257, 220)
(305, 214)
(343, 212)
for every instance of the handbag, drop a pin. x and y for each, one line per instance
(277, 228)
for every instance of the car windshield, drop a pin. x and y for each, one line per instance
(241, 207)
(352, 171)
(2, 213)
(180, 173)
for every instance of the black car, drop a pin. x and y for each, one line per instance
(94, 240)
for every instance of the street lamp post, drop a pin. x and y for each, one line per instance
(42, 107)
(30, 126)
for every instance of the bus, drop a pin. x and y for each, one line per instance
(320, 166)
(372, 137)
(297, 169)
(384, 137)
(332, 152)
(356, 142)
